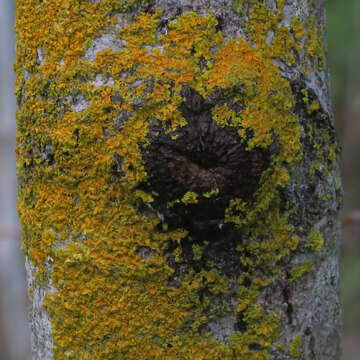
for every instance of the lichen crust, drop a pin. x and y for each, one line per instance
(124, 287)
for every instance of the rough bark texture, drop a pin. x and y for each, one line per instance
(178, 179)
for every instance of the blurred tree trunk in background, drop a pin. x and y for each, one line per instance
(14, 334)
(347, 101)
(178, 179)
(352, 100)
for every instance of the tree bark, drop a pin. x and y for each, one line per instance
(178, 179)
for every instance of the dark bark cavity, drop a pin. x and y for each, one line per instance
(203, 157)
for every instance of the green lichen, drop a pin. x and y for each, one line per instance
(314, 106)
(315, 241)
(314, 44)
(306, 96)
(294, 347)
(196, 252)
(299, 271)
(325, 146)
(190, 198)
(211, 193)
(297, 28)
(337, 182)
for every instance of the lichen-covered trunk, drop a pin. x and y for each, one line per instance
(178, 179)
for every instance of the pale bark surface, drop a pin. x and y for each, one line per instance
(307, 301)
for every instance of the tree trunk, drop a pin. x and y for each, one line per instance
(178, 179)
